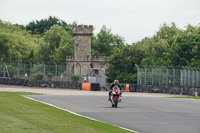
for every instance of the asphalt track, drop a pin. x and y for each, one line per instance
(141, 114)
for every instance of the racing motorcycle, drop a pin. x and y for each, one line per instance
(115, 96)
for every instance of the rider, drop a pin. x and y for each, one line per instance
(116, 82)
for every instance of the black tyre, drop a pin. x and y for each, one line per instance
(116, 102)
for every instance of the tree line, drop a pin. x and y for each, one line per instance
(51, 40)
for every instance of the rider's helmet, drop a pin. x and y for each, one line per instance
(116, 82)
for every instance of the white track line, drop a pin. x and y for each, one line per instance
(77, 113)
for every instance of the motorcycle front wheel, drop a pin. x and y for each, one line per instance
(116, 101)
(113, 105)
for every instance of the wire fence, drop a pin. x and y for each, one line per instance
(185, 80)
(35, 71)
(185, 77)
(37, 75)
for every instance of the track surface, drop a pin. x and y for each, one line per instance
(141, 114)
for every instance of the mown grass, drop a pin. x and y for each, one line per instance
(191, 97)
(21, 115)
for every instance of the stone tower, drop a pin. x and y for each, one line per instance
(82, 62)
(82, 37)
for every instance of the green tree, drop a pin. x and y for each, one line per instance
(56, 44)
(168, 33)
(156, 48)
(104, 42)
(39, 27)
(16, 44)
(154, 51)
(185, 50)
(190, 29)
(169, 47)
(122, 64)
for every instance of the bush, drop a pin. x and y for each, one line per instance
(12, 70)
(49, 75)
(74, 77)
(38, 75)
(37, 72)
(1, 70)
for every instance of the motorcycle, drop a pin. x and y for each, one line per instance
(115, 96)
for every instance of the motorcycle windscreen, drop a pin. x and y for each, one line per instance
(116, 88)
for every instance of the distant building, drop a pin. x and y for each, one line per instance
(82, 62)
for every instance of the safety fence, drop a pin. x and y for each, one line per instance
(42, 75)
(185, 77)
(149, 79)
(185, 80)
(32, 71)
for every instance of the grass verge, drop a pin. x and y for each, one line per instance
(191, 97)
(21, 115)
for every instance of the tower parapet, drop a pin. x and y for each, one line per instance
(83, 30)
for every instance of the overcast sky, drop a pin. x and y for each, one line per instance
(131, 19)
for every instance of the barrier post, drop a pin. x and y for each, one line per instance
(127, 88)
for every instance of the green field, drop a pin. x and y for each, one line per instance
(21, 115)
